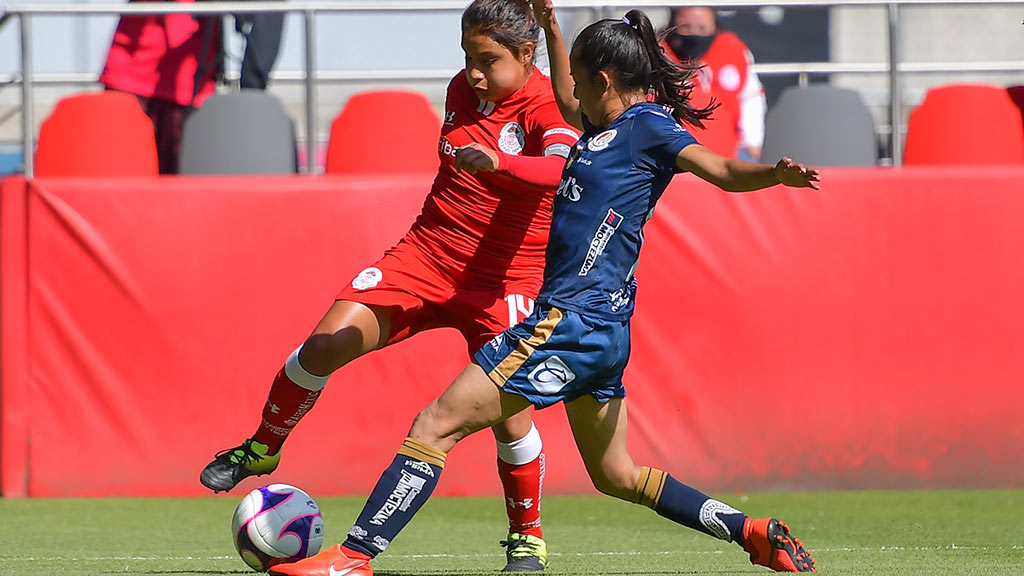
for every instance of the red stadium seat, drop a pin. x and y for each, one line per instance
(97, 134)
(384, 131)
(965, 124)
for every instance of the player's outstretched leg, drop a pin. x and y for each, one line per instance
(770, 544)
(291, 396)
(600, 431)
(334, 561)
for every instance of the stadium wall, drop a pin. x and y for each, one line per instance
(870, 335)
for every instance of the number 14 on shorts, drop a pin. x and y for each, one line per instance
(519, 307)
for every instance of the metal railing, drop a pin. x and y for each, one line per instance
(310, 76)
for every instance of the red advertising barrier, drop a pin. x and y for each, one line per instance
(869, 335)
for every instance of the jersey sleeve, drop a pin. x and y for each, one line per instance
(557, 137)
(657, 139)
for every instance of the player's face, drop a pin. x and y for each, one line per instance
(695, 21)
(492, 70)
(587, 90)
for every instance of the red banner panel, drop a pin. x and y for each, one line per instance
(868, 335)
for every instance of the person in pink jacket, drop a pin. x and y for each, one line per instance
(170, 63)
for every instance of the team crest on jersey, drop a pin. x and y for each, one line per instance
(368, 278)
(602, 140)
(512, 138)
(729, 78)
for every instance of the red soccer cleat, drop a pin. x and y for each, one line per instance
(770, 544)
(330, 562)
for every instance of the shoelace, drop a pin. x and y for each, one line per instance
(241, 455)
(519, 548)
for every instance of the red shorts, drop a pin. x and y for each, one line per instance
(408, 278)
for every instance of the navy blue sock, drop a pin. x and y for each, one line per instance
(691, 508)
(401, 491)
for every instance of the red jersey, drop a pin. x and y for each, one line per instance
(157, 56)
(728, 78)
(489, 227)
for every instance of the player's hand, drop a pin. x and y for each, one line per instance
(797, 175)
(544, 12)
(473, 157)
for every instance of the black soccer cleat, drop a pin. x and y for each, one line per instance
(232, 466)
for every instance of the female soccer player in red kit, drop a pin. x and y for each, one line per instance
(502, 146)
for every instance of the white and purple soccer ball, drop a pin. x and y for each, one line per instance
(275, 524)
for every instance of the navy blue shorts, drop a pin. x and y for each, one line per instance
(557, 356)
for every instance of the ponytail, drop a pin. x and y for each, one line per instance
(629, 50)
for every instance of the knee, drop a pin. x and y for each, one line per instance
(616, 481)
(432, 428)
(322, 354)
(425, 427)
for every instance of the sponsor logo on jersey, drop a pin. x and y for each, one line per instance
(368, 278)
(602, 140)
(512, 138)
(446, 148)
(408, 487)
(621, 297)
(570, 189)
(597, 244)
(449, 118)
(551, 375)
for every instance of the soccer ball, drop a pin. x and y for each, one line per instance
(276, 524)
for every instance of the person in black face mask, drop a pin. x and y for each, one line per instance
(736, 130)
(694, 31)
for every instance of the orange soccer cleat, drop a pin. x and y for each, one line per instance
(330, 562)
(770, 544)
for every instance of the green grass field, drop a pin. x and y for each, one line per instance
(850, 533)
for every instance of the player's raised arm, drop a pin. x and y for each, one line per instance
(558, 57)
(740, 176)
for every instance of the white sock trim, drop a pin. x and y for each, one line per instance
(297, 374)
(522, 451)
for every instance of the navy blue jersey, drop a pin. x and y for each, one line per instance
(609, 187)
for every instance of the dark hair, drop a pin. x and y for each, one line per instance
(628, 50)
(508, 22)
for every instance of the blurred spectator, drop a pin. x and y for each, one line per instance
(157, 58)
(736, 129)
(262, 34)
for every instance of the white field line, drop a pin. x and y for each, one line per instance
(556, 554)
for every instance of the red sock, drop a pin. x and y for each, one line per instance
(523, 485)
(286, 404)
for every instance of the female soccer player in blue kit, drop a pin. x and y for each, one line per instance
(575, 346)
